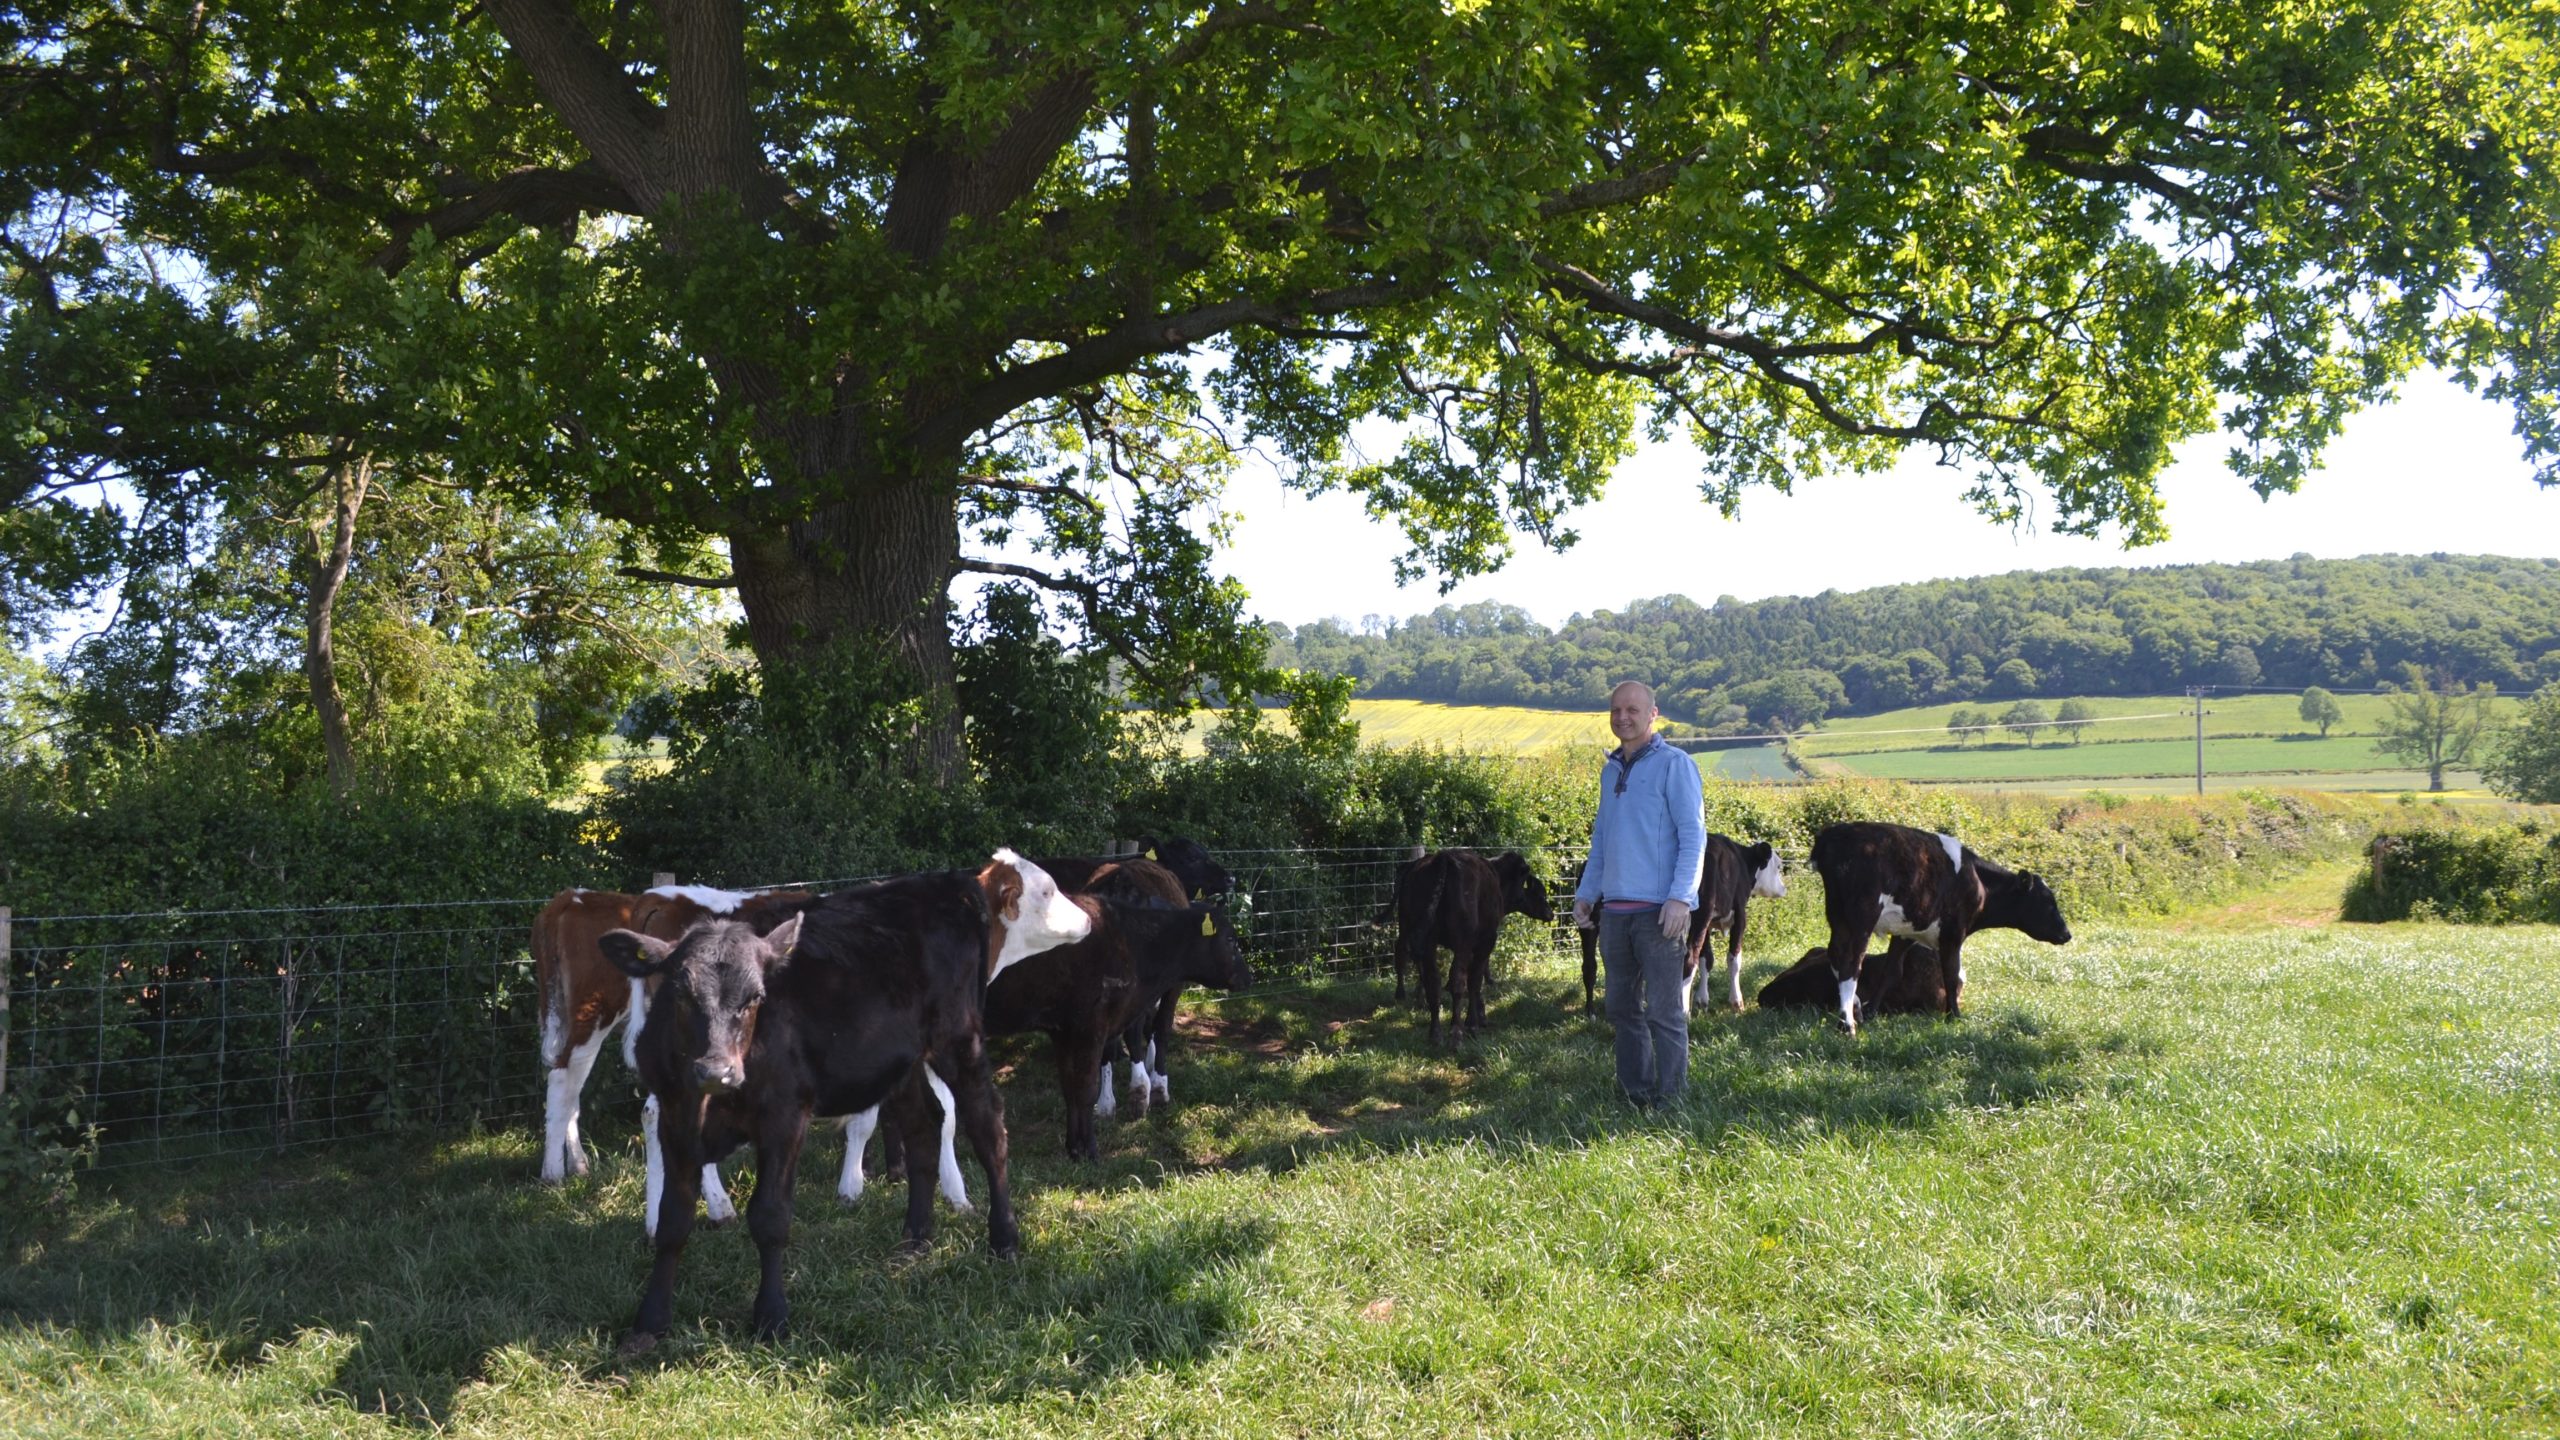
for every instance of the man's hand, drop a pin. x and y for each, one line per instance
(1582, 915)
(1675, 920)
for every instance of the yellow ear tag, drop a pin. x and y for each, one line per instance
(1209, 925)
(1150, 855)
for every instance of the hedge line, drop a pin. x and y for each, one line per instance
(2491, 874)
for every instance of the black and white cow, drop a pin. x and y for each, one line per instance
(1730, 874)
(845, 1005)
(1894, 880)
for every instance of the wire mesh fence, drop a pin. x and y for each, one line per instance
(188, 1033)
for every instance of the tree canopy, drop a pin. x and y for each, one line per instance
(878, 295)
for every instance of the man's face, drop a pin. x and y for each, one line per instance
(1630, 717)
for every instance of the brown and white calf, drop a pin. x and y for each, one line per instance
(1894, 880)
(1456, 899)
(1902, 979)
(843, 1006)
(583, 997)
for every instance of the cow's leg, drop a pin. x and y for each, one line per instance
(1428, 961)
(857, 1138)
(1733, 963)
(982, 1115)
(1142, 1081)
(582, 1060)
(893, 1152)
(1399, 965)
(1951, 969)
(1590, 967)
(1479, 970)
(1694, 964)
(717, 1208)
(1079, 1069)
(1160, 1046)
(911, 1115)
(946, 1173)
(1851, 926)
(778, 1142)
(555, 1096)
(1106, 1100)
(673, 1217)
(654, 1165)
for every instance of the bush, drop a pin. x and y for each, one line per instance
(2480, 875)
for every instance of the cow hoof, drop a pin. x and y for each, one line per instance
(1005, 1247)
(637, 1344)
(910, 1250)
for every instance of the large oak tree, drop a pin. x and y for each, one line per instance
(868, 290)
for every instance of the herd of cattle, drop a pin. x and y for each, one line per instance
(751, 1015)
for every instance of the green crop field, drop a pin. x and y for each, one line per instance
(2234, 1174)
(1757, 762)
(2121, 718)
(2059, 759)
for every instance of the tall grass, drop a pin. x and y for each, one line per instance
(2267, 1183)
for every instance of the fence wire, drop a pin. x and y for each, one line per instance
(194, 1033)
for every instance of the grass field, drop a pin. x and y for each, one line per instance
(2121, 718)
(2239, 1174)
(2060, 759)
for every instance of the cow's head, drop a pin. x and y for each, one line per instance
(1190, 863)
(1523, 893)
(1026, 912)
(712, 982)
(1216, 961)
(1768, 877)
(2027, 903)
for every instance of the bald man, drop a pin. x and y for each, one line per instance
(1646, 844)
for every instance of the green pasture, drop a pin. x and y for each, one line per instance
(2057, 759)
(2235, 1174)
(2121, 718)
(1757, 762)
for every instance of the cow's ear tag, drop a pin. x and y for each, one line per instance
(1209, 925)
(1151, 854)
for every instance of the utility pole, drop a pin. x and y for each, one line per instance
(2197, 693)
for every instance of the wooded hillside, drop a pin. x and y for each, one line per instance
(2346, 624)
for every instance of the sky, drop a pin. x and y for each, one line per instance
(2436, 470)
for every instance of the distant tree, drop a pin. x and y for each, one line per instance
(2526, 764)
(2014, 677)
(2074, 717)
(2434, 725)
(1794, 699)
(2024, 718)
(1965, 722)
(2320, 708)
(2238, 666)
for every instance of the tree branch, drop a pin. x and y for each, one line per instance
(668, 577)
(586, 90)
(535, 196)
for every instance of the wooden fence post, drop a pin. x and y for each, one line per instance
(6, 970)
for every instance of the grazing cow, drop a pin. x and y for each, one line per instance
(1904, 980)
(1893, 880)
(583, 997)
(846, 1004)
(1729, 875)
(1457, 898)
(1088, 994)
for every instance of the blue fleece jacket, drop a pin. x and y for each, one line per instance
(1651, 833)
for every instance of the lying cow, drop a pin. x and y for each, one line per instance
(1730, 874)
(843, 1006)
(1903, 980)
(1456, 899)
(1893, 880)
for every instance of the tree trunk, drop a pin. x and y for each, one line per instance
(873, 569)
(328, 576)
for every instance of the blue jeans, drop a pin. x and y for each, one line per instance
(1645, 1006)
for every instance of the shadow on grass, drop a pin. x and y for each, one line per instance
(1356, 1069)
(434, 1261)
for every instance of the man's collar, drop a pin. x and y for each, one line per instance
(1620, 754)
